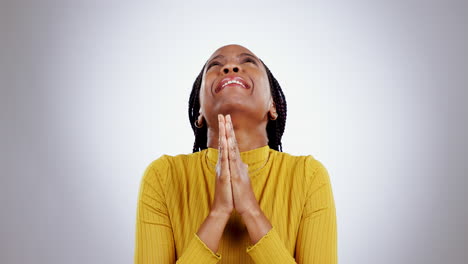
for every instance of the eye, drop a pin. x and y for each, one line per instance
(213, 64)
(250, 60)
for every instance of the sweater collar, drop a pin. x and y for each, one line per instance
(248, 157)
(255, 158)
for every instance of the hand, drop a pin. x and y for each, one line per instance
(233, 190)
(223, 200)
(242, 192)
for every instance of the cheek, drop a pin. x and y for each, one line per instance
(259, 76)
(209, 79)
(206, 93)
(262, 90)
(262, 83)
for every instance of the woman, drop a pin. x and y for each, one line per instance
(237, 198)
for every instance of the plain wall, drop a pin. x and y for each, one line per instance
(93, 91)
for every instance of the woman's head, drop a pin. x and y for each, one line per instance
(235, 81)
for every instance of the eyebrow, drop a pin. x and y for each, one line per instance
(242, 54)
(247, 54)
(219, 56)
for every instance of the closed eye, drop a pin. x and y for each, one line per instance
(250, 60)
(213, 64)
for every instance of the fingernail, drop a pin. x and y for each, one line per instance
(219, 117)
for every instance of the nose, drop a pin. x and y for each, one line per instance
(230, 67)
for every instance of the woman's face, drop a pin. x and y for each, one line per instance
(235, 81)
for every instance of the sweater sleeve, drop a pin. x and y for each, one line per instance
(270, 249)
(154, 239)
(317, 237)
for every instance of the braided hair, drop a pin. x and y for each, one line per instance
(275, 128)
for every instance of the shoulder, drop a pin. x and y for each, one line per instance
(315, 166)
(154, 170)
(312, 168)
(309, 162)
(177, 161)
(166, 163)
(317, 176)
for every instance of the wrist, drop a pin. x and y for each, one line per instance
(252, 212)
(219, 214)
(257, 224)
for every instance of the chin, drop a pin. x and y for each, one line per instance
(234, 105)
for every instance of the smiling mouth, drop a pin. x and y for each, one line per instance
(232, 81)
(233, 84)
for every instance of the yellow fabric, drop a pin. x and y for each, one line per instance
(294, 192)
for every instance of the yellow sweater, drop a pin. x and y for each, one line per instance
(294, 192)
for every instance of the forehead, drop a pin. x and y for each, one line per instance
(231, 50)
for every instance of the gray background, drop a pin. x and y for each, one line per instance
(92, 92)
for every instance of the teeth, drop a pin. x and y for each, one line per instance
(233, 81)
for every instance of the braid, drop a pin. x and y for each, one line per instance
(194, 108)
(275, 128)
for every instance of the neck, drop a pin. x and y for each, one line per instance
(248, 137)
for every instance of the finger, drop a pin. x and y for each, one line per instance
(232, 133)
(234, 156)
(222, 154)
(220, 149)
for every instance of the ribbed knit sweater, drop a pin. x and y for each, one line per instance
(294, 193)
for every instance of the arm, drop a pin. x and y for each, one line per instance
(212, 229)
(257, 224)
(267, 245)
(317, 237)
(154, 239)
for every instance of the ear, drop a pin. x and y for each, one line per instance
(200, 116)
(272, 111)
(272, 106)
